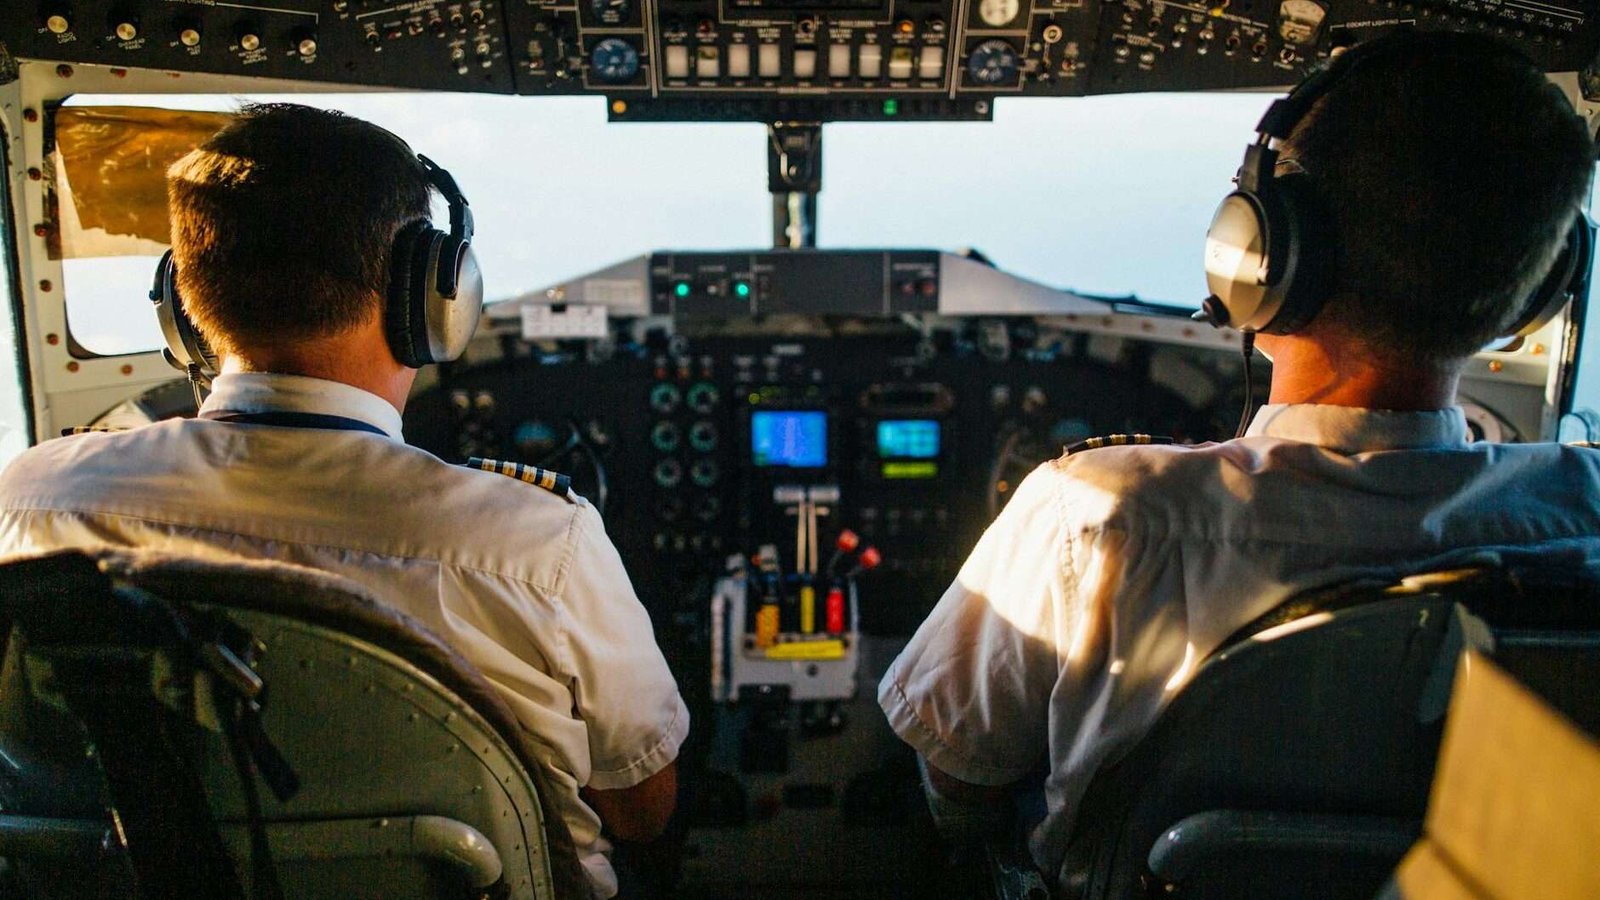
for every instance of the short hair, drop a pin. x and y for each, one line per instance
(282, 223)
(1451, 171)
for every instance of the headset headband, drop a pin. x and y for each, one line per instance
(461, 225)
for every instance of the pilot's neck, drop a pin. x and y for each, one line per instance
(1311, 369)
(359, 357)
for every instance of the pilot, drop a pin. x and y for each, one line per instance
(1449, 176)
(283, 228)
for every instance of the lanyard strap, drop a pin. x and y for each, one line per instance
(319, 421)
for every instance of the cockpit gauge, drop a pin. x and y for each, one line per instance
(998, 13)
(1298, 20)
(614, 61)
(993, 63)
(611, 12)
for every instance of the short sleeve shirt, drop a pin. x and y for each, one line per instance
(1112, 573)
(522, 582)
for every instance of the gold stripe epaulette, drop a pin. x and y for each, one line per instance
(554, 482)
(1115, 440)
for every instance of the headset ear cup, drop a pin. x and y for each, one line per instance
(1300, 252)
(186, 350)
(454, 318)
(1236, 261)
(1568, 277)
(401, 323)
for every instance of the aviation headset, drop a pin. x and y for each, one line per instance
(1269, 251)
(435, 292)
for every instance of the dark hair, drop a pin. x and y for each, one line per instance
(1451, 170)
(282, 223)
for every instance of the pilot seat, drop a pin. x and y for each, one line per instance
(1297, 763)
(177, 728)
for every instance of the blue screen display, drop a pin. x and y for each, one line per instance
(908, 439)
(798, 440)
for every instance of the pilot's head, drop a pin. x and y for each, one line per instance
(1451, 171)
(282, 225)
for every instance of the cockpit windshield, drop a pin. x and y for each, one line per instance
(1067, 189)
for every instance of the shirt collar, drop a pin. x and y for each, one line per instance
(257, 392)
(1349, 429)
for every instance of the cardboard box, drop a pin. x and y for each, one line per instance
(1515, 809)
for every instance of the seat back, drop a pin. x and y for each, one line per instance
(413, 778)
(1297, 762)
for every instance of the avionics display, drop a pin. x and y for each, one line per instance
(789, 438)
(908, 439)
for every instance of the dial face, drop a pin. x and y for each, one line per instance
(1298, 20)
(996, 13)
(993, 63)
(614, 61)
(610, 12)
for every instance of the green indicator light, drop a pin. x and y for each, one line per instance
(682, 289)
(891, 107)
(741, 288)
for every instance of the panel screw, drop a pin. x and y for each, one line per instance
(72, 366)
(30, 115)
(34, 174)
(46, 286)
(64, 70)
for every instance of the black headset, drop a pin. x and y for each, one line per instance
(435, 293)
(1270, 254)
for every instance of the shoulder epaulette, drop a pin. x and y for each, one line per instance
(1115, 440)
(91, 429)
(554, 482)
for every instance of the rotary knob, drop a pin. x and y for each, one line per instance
(993, 63)
(57, 18)
(188, 32)
(248, 36)
(124, 23)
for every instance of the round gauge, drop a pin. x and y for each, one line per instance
(610, 12)
(1298, 20)
(614, 61)
(993, 63)
(997, 13)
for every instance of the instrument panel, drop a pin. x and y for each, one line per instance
(761, 60)
(692, 443)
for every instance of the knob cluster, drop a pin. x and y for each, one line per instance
(125, 24)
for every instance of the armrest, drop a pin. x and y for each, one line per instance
(1202, 837)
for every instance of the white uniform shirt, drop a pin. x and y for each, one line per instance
(1113, 572)
(523, 583)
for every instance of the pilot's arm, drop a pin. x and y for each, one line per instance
(622, 690)
(971, 693)
(638, 813)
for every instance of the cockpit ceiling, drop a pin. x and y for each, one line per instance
(752, 60)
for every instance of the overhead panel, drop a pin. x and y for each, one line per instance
(770, 60)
